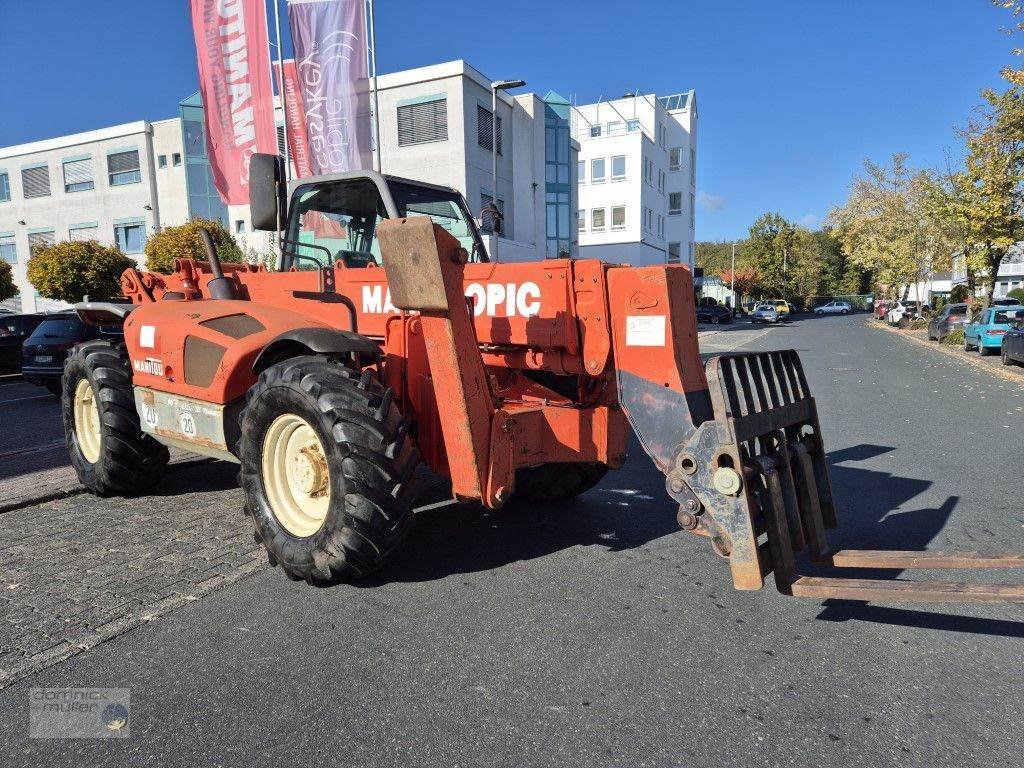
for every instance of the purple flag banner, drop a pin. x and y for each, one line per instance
(329, 37)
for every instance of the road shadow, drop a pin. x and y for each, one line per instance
(852, 610)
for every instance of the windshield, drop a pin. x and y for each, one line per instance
(338, 222)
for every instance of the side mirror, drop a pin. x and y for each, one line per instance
(268, 203)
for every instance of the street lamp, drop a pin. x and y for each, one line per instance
(497, 85)
(732, 278)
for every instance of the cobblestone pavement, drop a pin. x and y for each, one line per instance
(77, 571)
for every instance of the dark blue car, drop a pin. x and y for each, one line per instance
(1013, 342)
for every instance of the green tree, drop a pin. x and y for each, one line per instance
(986, 199)
(713, 258)
(70, 270)
(767, 248)
(184, 242)
(8, 290)
(891, 226)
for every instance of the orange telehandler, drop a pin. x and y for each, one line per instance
(387, 338)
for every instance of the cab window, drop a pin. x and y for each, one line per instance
(334, 222)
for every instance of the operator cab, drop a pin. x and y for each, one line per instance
(334, 218)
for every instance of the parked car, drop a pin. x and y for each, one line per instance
(714, 314)
(765, 313)
(14, 329)
(833, 308)
(1013, 342)
(783, 307)
(950, 319)
(44, 352)
(985, 333)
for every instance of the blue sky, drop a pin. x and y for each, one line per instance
(793, 94)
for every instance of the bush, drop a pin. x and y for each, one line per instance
(954, 339)
(183, 242)
(917, 325)
(8, 290)
(70, 270)
(1016, 293)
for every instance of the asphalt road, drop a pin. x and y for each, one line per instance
(598, 633)
(32, 437)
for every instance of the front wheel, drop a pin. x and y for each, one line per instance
(715, 319)
(844, 312)
(327, 470)
(983, 350)
(1005, 357)
(107, 447)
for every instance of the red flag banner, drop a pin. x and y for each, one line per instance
(295, 115)
(234, 79)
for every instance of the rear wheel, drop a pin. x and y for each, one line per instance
(107, 447)
(982, 350)
(558, 481)
(1005, 356)
(715, 319)
(326, 470)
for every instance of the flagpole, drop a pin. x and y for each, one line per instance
(376, 103)
(280, 88)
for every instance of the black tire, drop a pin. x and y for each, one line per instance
(715, 319)
(844, 312)
(558, 481)
(983, 350)
(370, 463)
(130, 462)
(1005, 357)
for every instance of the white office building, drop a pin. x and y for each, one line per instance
(121, 184)
(637, 175)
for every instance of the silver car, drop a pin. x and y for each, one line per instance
(833, 308)
(764, 313)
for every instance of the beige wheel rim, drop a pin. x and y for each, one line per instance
(295, 475)
(87, 422)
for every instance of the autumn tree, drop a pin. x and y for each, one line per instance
(743, 280)
(183, 242)
(68, 271)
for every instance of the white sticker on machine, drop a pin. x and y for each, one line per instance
(645, 330)
(147, 336)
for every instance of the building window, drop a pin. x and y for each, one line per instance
(661, 181)
(42, 239)
(483, 128)
(632, 125)
(595, 131)
(35, 181)
(693, 167)
(597, 170)
(661, 135)
(615, 128)
(581, 171)
(161, 161)
(84, 232)
(487, 221)
(239, 226)
(618, 167)
(661, 225)
(176, 159)
(78, 175)
(693, 209)
(581, 221)
(5, 187)
(675, 159)
(673, 253)
(130, 238)
(423, 122)
(675, 203)
(9, 249)
(123, 168)
(618, 217)
(597, 220)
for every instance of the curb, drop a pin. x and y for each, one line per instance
(1013, 374)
